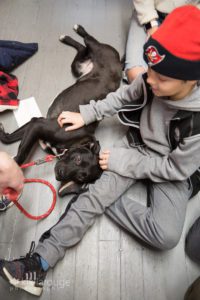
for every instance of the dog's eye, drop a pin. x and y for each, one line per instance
(77, 160)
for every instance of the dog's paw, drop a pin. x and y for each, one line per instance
(76, 26)
(2, 132)
(1, 127)
(62, 37)
(71, 187)
(66, 39)
(67, 188)
(80, 30)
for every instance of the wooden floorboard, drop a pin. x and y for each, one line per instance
(108, 264)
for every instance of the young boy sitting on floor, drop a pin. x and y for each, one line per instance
(162, 145)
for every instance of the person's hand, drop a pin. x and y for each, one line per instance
(151, 31)
(103, 159)
(67, 117)
(11, 175)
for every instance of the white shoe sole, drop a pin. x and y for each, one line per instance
(26, 285)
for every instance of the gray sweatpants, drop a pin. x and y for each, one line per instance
(160, 225)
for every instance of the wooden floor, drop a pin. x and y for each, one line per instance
(108, 264)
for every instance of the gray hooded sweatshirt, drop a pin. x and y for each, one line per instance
(155, 160)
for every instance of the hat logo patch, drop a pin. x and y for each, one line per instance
(153, 56)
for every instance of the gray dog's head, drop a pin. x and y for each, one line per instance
(79, 164)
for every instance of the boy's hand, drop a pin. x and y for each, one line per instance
(152, 30)
(103, 159)
(67, 117)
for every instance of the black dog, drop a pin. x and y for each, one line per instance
(98, 68)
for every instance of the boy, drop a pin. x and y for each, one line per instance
(162, 110)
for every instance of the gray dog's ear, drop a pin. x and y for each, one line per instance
(95, 147)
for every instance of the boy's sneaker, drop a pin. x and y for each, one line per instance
(25, 273)
(5, 203)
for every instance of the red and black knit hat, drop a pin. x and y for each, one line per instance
(174, 49)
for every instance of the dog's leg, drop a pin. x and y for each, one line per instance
(71, 42)
(80, 56)
(32, 133)
(9, 138)
(81, 31)
(25, 146)
(91, 43)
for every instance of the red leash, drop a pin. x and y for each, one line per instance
(13, 196)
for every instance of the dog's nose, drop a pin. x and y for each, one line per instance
(77, 160)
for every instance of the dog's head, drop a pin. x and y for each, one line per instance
(79, 164)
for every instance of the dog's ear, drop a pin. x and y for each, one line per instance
(95, 147)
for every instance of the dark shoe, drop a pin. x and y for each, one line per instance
(5, 203)
(193, 292)
(25, 273)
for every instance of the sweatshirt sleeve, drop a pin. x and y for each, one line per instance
(177, 166)
(97, 110)
(145, 10)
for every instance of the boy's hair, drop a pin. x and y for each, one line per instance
(174, 49)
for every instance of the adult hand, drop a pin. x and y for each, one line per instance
(11, 175)
(67, 117)
(103, 159)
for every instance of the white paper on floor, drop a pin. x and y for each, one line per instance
(27, 109)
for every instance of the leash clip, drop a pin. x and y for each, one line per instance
(44, 160)
(49, 158)
(40, 161)
(61, 154)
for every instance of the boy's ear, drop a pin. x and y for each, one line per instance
(193, 82)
